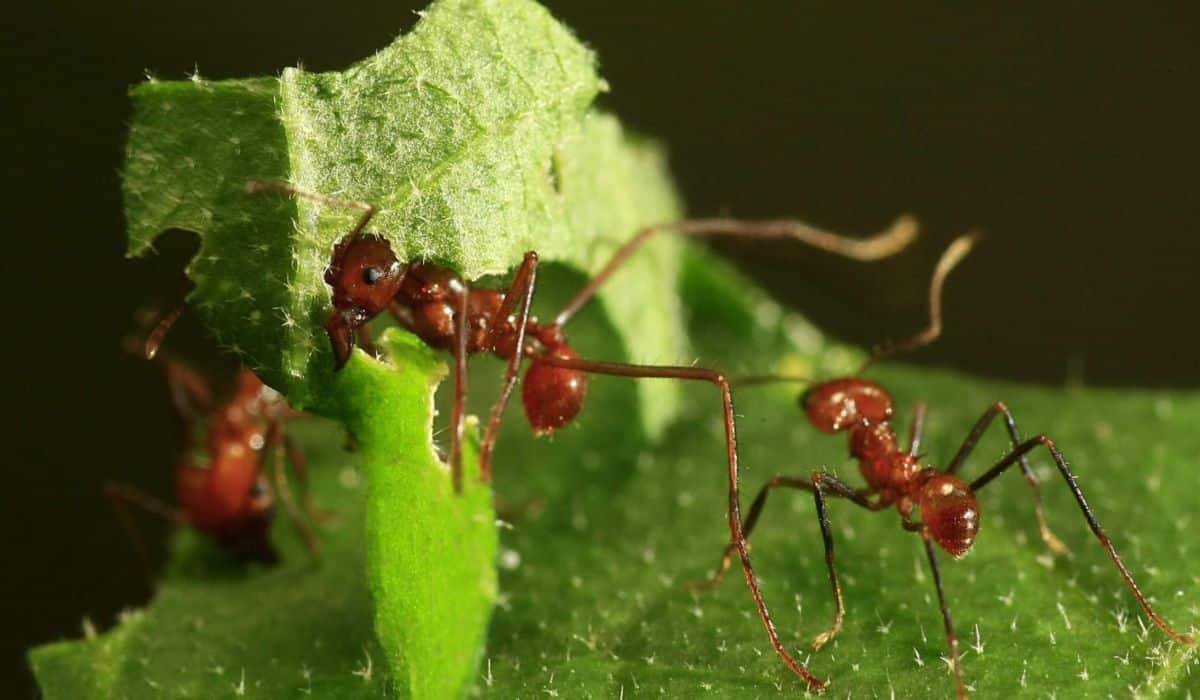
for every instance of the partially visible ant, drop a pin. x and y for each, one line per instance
(228, 498)
(949, 511)
(447, 312)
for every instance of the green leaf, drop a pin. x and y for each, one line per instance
(597, 608)
(473, 136)
(610, 524)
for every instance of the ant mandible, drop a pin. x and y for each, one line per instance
(446, 312)
(227, 499)
(949, 511)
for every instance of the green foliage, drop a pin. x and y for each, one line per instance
(472, 135)
(608, 524)
(481, 116)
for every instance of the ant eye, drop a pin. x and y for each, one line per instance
(371, 275)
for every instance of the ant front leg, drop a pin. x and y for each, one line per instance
(819, 484)
(951, 638)
(756, 507)
(520, 291)
(822, 481)
(277, 441)
(1018, 456)
(1054, 544)
(299, 462)
(734, 509)
(121, 497)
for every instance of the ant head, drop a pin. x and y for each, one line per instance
(950, 512)
(553, 395)
(840, 404)
(365, 275)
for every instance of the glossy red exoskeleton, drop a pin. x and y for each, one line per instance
(435, 303)
(228, 496)
(936, 504)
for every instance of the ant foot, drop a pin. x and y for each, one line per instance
(1055, 545)
(321, 516)
(711, 583)
(823, 638)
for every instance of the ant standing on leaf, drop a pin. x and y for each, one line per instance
(949, 514)
(228, 499)
(445, 311)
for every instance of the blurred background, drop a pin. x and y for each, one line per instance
(1066, 132)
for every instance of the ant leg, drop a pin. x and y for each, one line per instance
(951, 639)
(283, 188)
(278, 448)
(1015, 456)
(1054, 544)
(889, 242)
(120, 497)
(155, 337)
(519, 292)
(457, 413)
(756, 507)
(916, 429)
(734, 510)
(822, 481)
(295, 456)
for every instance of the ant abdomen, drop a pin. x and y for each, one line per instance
(950, 512)
(552, 395)
(840, 404)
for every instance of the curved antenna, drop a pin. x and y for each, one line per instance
(953, 255)
(888, 242)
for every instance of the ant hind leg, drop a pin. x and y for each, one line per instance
(1016, 456)
(1054, 544)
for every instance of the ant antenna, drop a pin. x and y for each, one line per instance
(287, 190)
(888, 242)
(954, 253)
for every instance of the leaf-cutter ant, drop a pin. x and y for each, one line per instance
(949, 514)
(447, 312)
(229, 497)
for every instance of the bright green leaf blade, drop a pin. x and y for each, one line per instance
(431, 552)
(596, 606)
(592, 600)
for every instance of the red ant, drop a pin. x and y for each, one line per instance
(228, 499)
(445, 311)
(949, 512)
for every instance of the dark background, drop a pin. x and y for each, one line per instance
(1067, 133)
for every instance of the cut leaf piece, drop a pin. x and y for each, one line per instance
(471, 135)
